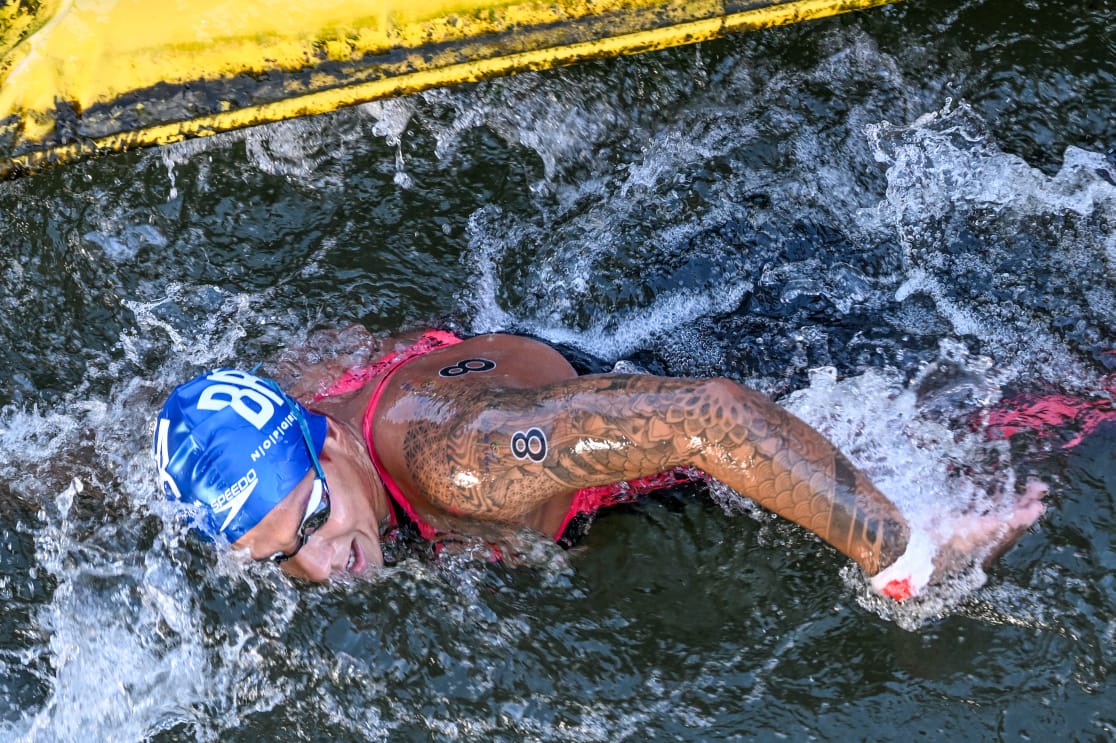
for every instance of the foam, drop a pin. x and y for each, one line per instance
(946, 177)
(908, 439)
(122, 635)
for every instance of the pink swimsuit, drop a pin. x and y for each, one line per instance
(585, 501)
(1053, 414)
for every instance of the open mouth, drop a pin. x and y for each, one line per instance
(357, 562)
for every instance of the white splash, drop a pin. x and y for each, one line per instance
(922, 459)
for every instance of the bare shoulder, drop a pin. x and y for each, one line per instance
(430, 436)
(488, 361)
(450, 385)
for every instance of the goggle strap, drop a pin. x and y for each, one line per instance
(302, 425)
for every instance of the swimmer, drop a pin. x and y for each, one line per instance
(498, 433)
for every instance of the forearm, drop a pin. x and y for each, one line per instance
(740, 437)
(771, 456)
(625, 427)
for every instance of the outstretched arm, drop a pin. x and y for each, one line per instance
(509, 451)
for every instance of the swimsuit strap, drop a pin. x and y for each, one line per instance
(393, 362)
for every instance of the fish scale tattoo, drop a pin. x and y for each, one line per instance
(606, 428)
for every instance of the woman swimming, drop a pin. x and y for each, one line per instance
(498, 433)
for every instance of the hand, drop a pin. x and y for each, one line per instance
(968, 539)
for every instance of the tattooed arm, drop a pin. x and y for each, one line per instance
(509, 451)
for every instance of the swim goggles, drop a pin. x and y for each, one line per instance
(317, 508)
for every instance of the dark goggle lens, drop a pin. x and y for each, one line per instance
(317, 514)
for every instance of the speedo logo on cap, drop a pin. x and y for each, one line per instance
(235, 496)
(254, 401)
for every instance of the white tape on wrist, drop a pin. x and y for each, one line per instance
(908, 575)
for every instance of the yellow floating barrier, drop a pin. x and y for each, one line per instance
(84, 77)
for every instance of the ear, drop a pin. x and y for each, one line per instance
(340, 440)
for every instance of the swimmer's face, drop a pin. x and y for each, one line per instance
(348, 542)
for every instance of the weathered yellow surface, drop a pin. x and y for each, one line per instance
(84, 76)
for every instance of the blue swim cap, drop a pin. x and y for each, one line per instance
(229, 441)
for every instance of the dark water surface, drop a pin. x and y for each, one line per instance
(888, 221)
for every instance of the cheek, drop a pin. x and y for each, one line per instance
(350, 507)
(354, 496)
(312, 562)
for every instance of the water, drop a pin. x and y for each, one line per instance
(889, 221)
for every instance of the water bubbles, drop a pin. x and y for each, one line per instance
(65, 499)
(922, 444)
(391, 117)
(1007, 254)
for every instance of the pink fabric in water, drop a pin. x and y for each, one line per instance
(1049, 413)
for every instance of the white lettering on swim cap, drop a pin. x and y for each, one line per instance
(249, 397)
(235, 496)
(162, 458)
(274, 436)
